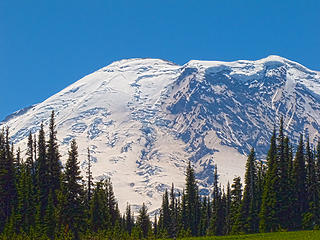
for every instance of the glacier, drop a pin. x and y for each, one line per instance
(145, 119)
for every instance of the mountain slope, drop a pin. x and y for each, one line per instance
(144, 119)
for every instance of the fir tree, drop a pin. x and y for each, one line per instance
(143, 221)
(204, 217)
(217, 219)
(236, 197)
(73, 212)
(165, 216)
(191, 204)
(249, 211)
(173, 213)
(129, 220)
(112, 204)
(42, 173)
(53, 159)
(283, 190)
(299, 183)
(183, 214)
(268, 213)
(227, 226)
(99, 213)
(30, 151)
(155, 226)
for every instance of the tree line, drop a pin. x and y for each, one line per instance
(41, 199)
(279, 194)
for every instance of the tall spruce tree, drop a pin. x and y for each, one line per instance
(287, 219)
(99, 213)
(217, 218)
(236, 198)
(73, 191)
(112, 204)
(143, 221)
(227, 227)
(165, 216)
(191, 198)
(283, 190)
(30, 155)
(299, 184)
(204, 221)
(268, 212)
(42, 174)
(129, 220)
(53, 159)
(173, 213)
(249, 207)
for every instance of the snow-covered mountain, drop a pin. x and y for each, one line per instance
(144, 119)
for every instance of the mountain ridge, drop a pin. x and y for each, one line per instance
(144, 119)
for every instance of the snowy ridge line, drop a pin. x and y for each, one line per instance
(144, 119)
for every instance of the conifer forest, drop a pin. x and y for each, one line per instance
(42, 199)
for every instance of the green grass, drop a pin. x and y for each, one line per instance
(299, 235)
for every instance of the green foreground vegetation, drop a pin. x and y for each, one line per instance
(298, 235)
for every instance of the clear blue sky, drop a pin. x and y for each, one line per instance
(45, 45)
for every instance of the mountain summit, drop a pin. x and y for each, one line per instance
(144, 119)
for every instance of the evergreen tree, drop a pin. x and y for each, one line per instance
(89, 177)
(227, 226)
(49, 218)
(30, 151)
(311, 218)
(218, 217)
(73, 212)
(53, 159)
(35, 155)
(268, 213)
(260, 182)
(236, 197)
(143, 221)
(8, 191)
(249, 211)
(283, 190)
(111, 202)
(299, 183)
(287, 219)
(173, 213)
(191, 204)
(99, 213)
(165, 216)
(25, 209)
(204, 221)
(42, 174)
(155, 226)
(183, 213)
(129, 220)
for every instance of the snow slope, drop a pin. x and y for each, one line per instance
(144, 119)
